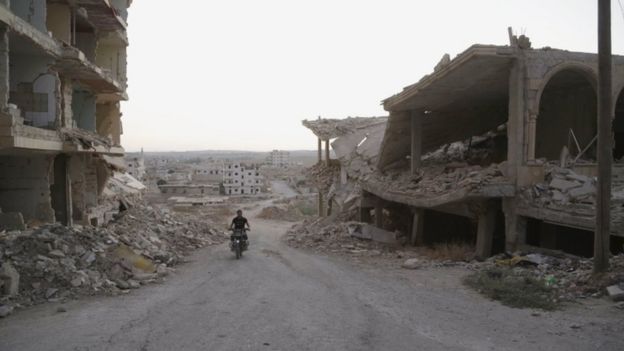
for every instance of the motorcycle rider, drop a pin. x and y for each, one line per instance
(239, 222)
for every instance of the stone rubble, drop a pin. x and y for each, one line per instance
(468, 164)
(56, 263)
(570, 276)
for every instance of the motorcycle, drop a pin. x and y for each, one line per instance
(238, 242)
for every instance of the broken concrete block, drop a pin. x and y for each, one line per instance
(379, 235)
(12, 221)
(578, 177)
(564, 185)
(587, 189)
(412, 263)
(5, 310)
(558, 196)
(56, 254)
(615, 293)
(11, 278)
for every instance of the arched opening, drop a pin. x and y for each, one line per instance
(618, 128)
(567, 117)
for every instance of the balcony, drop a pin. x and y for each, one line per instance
(74, 64)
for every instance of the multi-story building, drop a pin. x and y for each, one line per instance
(279, 158)
(208, 172)
(241, 180)
(62, 76)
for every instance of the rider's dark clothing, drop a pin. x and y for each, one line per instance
(239, 223)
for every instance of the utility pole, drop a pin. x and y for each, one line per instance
(605, 139)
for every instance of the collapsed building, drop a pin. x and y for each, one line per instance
(62, 77)
(355, 141)
(498, 146)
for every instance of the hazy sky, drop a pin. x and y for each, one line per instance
(242, 74)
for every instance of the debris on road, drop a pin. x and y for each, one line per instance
(54, 262)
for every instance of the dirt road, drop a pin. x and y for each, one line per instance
(278, 298)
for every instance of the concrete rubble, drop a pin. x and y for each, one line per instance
(468, 164)
(54, 262)
(563, 187)
(571, 276)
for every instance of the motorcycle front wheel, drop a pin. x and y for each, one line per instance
(239, 253)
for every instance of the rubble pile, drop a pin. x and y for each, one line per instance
(562, 187)
(461, 165)
(281, 213)
(325, 235)
(54, 262)
(570, 276)
(322, 176)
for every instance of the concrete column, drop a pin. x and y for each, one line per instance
(327, 152)
(69, 204)
(329, 207)
(320, 150)
(531, 137)
(515, 227)
(517, 118)
(365, 216)
(4, 65)
(418, 233)
(485, 232)
(379, 214)
(320, 203)
(416, 141)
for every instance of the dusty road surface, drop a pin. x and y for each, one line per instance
(277, 298)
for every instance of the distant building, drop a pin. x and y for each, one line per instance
(136, 166)
(208, 173)
(239, 180)
(279, 158)
(189, 189)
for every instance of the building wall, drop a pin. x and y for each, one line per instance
(25, 186)
(83, 109)
(237, 180)
(33, 89)
(59, 22)
(32, 11)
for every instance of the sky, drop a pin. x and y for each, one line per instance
(243, 74)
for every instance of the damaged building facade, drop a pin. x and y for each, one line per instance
(498, 145)
(62, 77)
(355, 142)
